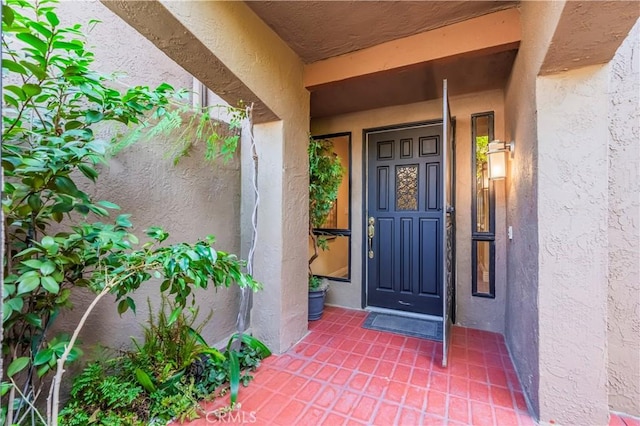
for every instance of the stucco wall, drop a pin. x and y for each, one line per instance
(538, 24)
(190, 200)
(251, 59)
(624, 228)
(573, 256)
(559, 188)
(474, 312)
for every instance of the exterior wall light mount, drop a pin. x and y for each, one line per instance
(497, 156)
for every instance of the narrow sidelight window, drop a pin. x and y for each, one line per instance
(482, 209)
(335, 261)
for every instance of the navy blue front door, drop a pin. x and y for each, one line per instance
(404, 214)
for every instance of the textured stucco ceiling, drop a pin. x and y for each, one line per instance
(317, 30)
(589, 33)
(466, 74)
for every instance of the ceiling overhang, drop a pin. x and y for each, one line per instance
(589, 33)
(495, 32)
(361, 55)
(159, 22)
(474, 55)
(318, 30)
(468, 73)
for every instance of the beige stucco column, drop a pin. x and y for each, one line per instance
(574, 100)
(227, 47)
(624, 227)
(558, 108)
(279, 315)
(573, 258)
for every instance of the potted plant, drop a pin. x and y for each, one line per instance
(317, 291)
(325, 175)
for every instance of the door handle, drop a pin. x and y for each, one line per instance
(371, 231)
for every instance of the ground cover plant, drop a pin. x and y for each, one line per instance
(164, 377)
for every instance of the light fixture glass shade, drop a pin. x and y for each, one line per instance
(497, 156)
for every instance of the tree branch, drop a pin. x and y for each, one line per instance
(25, 399)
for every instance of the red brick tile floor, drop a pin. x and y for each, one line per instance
(343, 374)
(622, 420)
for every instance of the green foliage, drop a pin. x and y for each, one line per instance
(482, 148)
(317, 283)
(164, 378)
(102, 391)
(171, 342)
(314, 283)
(250, 342)
(325, 176)
(189, 128)
(55, 105)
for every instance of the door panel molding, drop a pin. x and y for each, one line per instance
(429, 275)
(365, 199)
(405, 273)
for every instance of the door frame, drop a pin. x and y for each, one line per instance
(365, 193)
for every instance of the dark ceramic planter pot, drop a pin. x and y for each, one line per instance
(316, 304)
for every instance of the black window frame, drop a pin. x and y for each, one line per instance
(338, 232)
(482, 236)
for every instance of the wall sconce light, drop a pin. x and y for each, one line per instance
(498, 158)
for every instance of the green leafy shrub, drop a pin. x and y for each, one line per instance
(54, 106)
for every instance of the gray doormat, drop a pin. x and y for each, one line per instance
(414, 327)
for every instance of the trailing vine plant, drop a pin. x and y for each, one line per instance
(54, 106)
